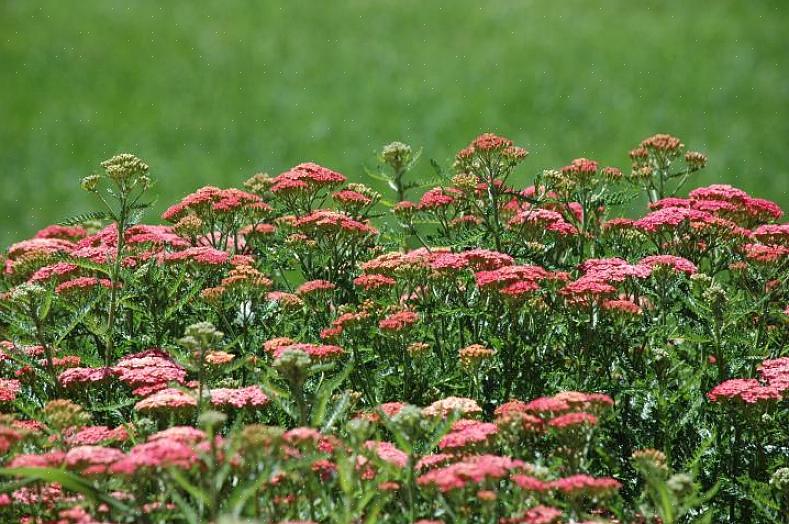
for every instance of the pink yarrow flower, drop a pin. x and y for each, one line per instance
(249, 397)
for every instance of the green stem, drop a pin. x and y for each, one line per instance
(298, 393)
(115, 279)
(200, 380)
(47, 350)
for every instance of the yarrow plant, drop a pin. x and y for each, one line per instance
(307, 349)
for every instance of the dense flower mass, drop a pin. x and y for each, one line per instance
(311, 350)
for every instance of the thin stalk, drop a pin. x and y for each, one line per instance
(115, 277)
(200, 380)
(47, 350)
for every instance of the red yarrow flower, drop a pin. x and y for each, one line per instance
(9, 388)
(316, 351)
(324, 220)
(471, 471)
(249, 397)
(572, 419)
(776, 371)
(679, 264)
(490, 142)
(82, 283)
(373, 281)
(592, 486)
(468, 433)
(315, 286)
(749, 391)
(398, 321)
(169, 399)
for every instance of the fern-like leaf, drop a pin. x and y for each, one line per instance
(85, 217)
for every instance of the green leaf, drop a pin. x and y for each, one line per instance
(187, 510)
(135, 217)
(115, 406)
(85, 217)
(380, 178)
(184, 299)
(193, 490)
(325, 392)
(337, 411)
(242, 493)
(78, 316)
(438, 170)
(43, 310)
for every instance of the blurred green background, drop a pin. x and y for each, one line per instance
(211, 92)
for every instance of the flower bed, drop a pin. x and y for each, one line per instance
(305, 350)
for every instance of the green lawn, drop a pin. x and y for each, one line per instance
(209, 94)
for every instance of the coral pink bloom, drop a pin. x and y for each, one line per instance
(92, 459)
(316, 351)
(311, 174)
(94, 435)
(776, 372)
(398, 321)
(149, 370)
(509, 274)
(581, 166)
(182, 434)
(70, 233)
(536, 515)
(44, 460)
(324, 220)
(373, 281)
(676, 263)
(351, 197)
(749, 391)
(155, 236)
(445, 407)
(543, 220)
(388, 452)
(156, 454)
(251, 396)
(529, 483)
(82, 283)
(469, 434)
(547, 405)
(572, 419)
(80, 376)
(627, 307)
(765, 254)
(471, 471)
(586, 484)
(169, 399)
(40, 245)
(9, 388)
(437, 198)
(201, 255)
(315, 286)
(490, 142)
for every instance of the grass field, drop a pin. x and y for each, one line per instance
(210, 95)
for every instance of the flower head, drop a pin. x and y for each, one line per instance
(124, 167)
